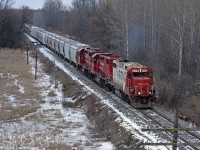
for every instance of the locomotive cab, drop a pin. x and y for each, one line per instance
(140, 82)
(135, 81)
(140, 86)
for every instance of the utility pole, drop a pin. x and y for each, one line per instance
(22, 47)
(55, 68)
(175, 133)
(36, 58)
(27, 49)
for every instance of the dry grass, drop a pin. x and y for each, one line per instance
(58, 114)
(15, 74)
(77, 125)
(77, 144)
(58, 146)
(191, 110)
(51, 94)
(35, 117)
(64, 87)
(88, 143)
(56, 130)
(5, 105)
(53, 101)
(68, 104)
(17, 112)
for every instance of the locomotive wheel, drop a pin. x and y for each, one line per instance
(106, 87)
(113, 90)
(86, 72)
(110, 88)
(132, 102)
(125, 98)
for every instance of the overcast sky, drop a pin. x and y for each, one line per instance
(35, 4)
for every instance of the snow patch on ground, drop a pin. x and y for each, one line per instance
(16, 83)
(10, 98)
(105, 146)
(21, 88)
(8, 75)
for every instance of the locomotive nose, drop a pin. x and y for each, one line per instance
(143, 86)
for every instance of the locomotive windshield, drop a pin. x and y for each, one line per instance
(142, 74)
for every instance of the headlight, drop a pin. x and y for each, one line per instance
(139, 93)
(149, 92)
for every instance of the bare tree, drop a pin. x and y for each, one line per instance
(6, 23)
(52, 12)
(120, 21)
(176, 32)
(26, 15)
(10, 24)
(6, 4)
(83, 13)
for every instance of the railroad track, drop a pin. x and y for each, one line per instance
(170, 118)
(188, 139)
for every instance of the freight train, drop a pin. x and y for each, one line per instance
(131, 81)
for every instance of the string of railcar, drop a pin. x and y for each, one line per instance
(131, 81)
